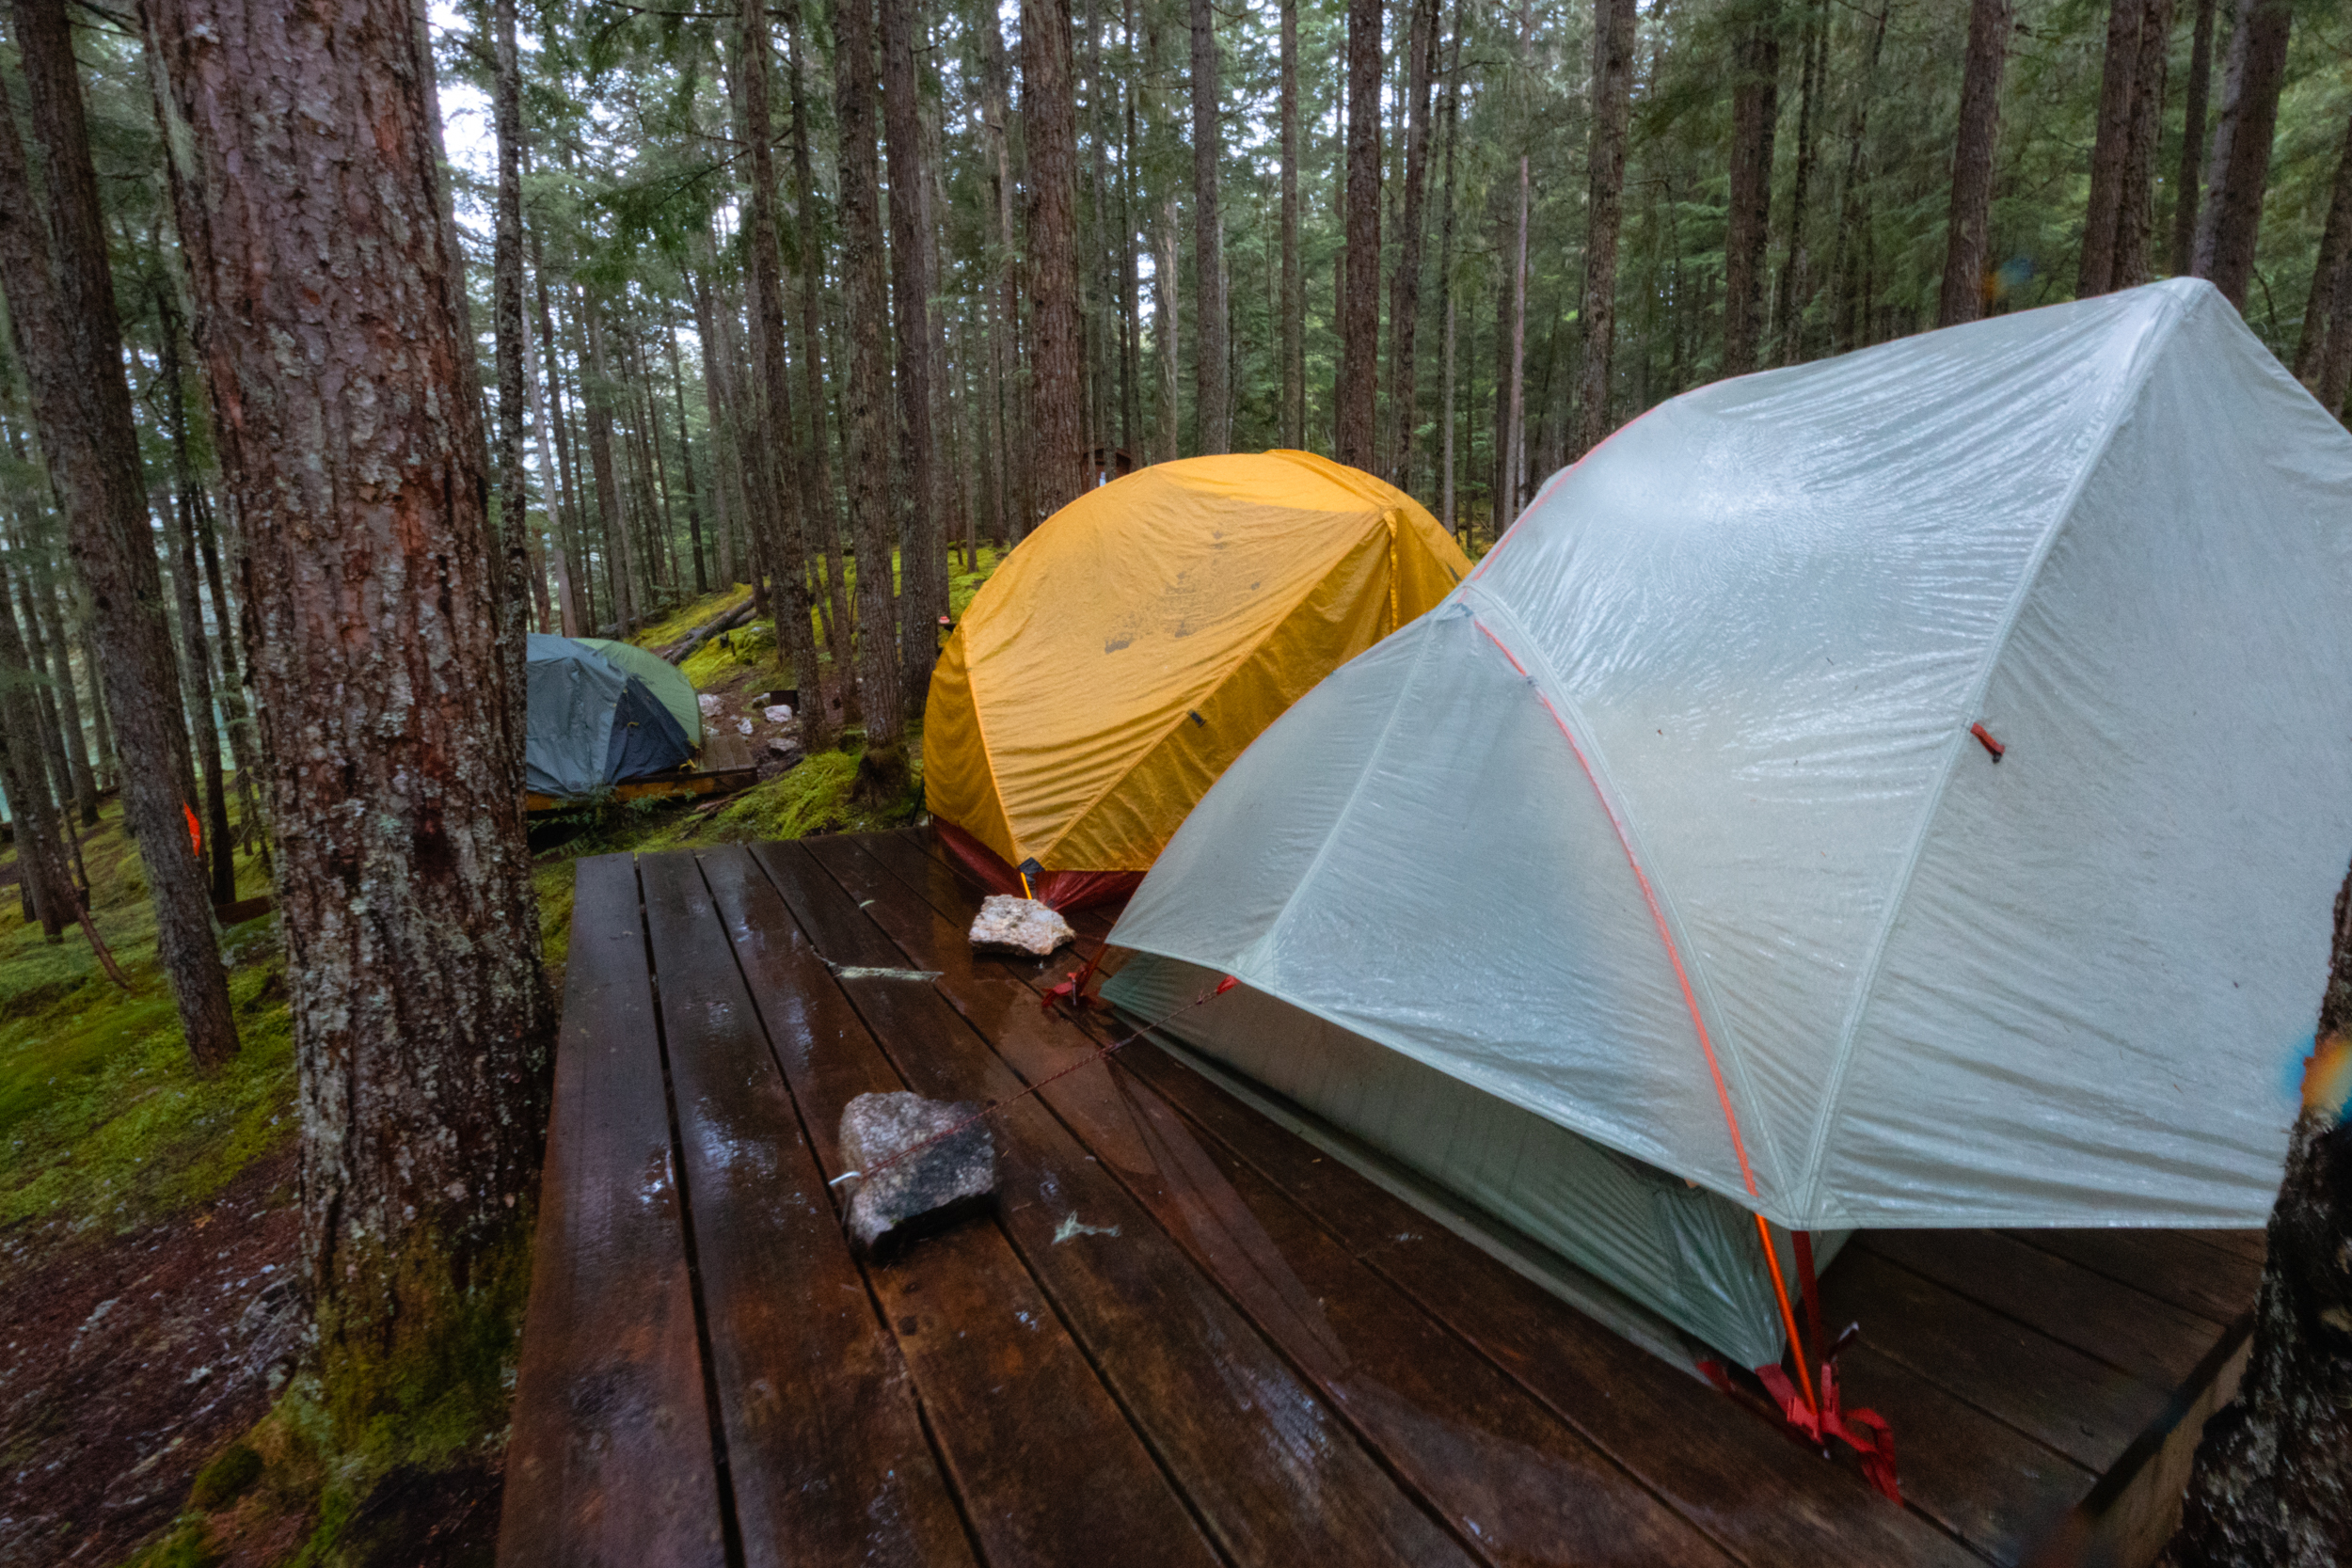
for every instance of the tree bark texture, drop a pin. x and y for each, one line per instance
(1754, 115)
(506, 316)
(1050, 115)
(595, 392)
(195, 663)
(1964, 238)
(2184, 188)
(1405, 284)
(328, 313)
(40, 858)
(1795, 291)
(1213, 411)
(61, 305)
(2239, 170)
(786, 541)
(865, 390)
(1613, 23)
(922, 538)
(2110, 147)
(1446, 307)
(2136, 207)
(2323, 357)
(1359, 307)
(1294, 301)
(2272, 1481)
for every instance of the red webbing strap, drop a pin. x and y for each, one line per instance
(1689, 1000)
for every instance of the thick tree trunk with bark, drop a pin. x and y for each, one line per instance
(1212, 410)
(2192, 139)
(922, 538)
(786, 541)
(1358, 306)
(2136, 209)
(328, 296)
(1755, 116)
(1613, 23)
(1964, 238)
(61, 307)
(2272, 1483)
(865, 390)
(1050, 113)
(2110, 147)
(2239, 171)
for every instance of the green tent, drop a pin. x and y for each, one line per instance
(667, 683)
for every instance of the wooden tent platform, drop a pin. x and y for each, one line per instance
(725, 765)
(1188, 1334)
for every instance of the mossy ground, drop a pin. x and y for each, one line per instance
(105, 1128)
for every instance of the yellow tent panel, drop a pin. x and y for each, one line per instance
(1145, 634)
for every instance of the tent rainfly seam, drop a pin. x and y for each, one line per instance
(1707, 1012)
(1841, 1061)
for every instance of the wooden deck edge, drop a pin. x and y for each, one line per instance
(1593, 1297)
(2135, 1507)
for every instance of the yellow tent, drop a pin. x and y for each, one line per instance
(1145, 634)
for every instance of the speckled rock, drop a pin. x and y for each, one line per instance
(1009, 924)
(927, 1190)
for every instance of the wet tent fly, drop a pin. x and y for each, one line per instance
(1908, 790)
(594, 724)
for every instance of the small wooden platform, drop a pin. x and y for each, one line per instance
(725, 765)
(1188, 1334)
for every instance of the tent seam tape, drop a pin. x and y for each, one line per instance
(1660, 903)
(1841, 1063)
(1176, 725)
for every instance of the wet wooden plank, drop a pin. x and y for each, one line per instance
(1046, 1466)
(2248, 1245)
(2218, 1284)
(2052, 1392)
(1275, 1475)
(2154, 1340)
(1511, 1476)
(1763, 1496)
(825, 1448)
(610, 1461)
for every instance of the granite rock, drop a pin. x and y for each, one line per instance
(1010, 925)
(926, 1190)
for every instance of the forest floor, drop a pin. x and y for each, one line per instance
(150, 1315)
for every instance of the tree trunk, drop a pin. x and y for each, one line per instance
(1795, 286)
(1404, 285)
(1754, 115)
(548, 412)
(784, 542)
(506, 312)
(1049, 114)
(2136, 202)
(567, 616)
(1166, 333)
(2323, 357)
(51, 660)
(2192, 139)
(423, 1023)
(820, 521)
(1359, 307)
(69, 706)
(922, 539)
(1964, 238)
(865, 391)
(1613, 23)
(44, 878)
(2110, 147)
(686, 461)
(1293, 302)
(2239, 171)
(1212, 409)
(1515, 424)
(1445, 279)
(2274, 1467)
(1004, 334)
(67, 337)
(718, 401)
(195, 663)
(596, 392)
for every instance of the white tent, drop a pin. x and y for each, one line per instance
(1670, 827)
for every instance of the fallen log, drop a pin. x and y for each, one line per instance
(677, 652)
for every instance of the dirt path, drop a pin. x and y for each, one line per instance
(126, 1366)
